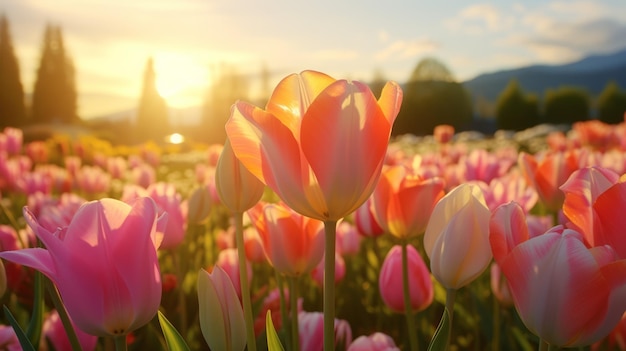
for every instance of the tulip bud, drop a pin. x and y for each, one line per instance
(238, 189)
(457, 237)
(221, 315)
(390, 281)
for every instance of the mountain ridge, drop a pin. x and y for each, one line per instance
(592, 73)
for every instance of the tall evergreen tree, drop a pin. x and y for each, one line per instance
(12, 110)
(152, 114)
(54, 95)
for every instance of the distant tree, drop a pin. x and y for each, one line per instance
(12, 109)
(431, 69)
(516, 110)
(54, 95)
(152, 114)
(612, 104)
(431, 98)
(566, 105)
(228, 87)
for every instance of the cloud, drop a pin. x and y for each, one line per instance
(405, 49)
(479, 19)
(561, 41)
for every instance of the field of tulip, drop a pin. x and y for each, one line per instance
(446, 242)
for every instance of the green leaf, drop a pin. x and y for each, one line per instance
(273, 342)
(441, 338)
(33, 332)
(21, 336)
(174, 340)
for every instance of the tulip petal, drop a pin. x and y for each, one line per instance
(609, 209)
(36, 258)
(345, 143)
(269, 150)
(507, 229)
(293, 96)
(390, 101)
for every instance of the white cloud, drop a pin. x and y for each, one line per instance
(405, 49)
(479, 19)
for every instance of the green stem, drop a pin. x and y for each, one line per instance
(182, 301)
(120, 343)
(408, 311)
(543, 346)
(450, 298)
(330, 231)
(243, 278)
(495, 345)
(293, 298)
(65, 319)
(283, 304)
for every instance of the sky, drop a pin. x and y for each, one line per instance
(111, 40)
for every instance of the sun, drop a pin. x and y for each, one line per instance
(180, 80)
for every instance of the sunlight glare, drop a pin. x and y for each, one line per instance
(180, 80)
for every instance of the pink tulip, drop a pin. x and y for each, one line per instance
(499, 286)
(253, 245)
(366, 222)
(293, 244)
(228, 260)
(8, 339)
(238, 189)
(93, 180)
(374, 342)
(116, 166)
(213, 154)
(457, 237)
(14, 140)
(143, 175)
(566, 293)
(168, 199)
(104, 264)
(319, 144)
(581, 190)
(310, 325)
(348, 239)
(54, 332)
(340, 270)
(390, 281)
(221, 315)
(511, 187)
(403, 202)
(272, 303)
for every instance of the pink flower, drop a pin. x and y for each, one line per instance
(55, 333)
(228, 260)
(366, 222)
(8, 339)
(566, 293)
(390, 280)
(168, 200)
(443, 133)
(340, 270)
(375, 342)
(104, 264)
(311, 330)
(348, 239)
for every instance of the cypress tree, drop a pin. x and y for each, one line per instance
(12, 110)
(54, 95)
(152, 114)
